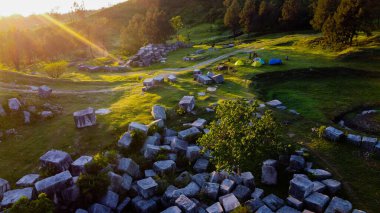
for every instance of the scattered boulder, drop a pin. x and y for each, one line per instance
(269, 172)
(339, 205)
(98, 208)
(143, 205)
(293, 202)
(319, 187)
(44, 91)
(227, 186)
(164, 167)
(129, 166)
(27, 180)
(242, 193)
(187, 205)
(274, 103)
(211, 190)
(125, 141)
(149, 82)
(172, 209)
(172, 78)
(14, 104)
(54, 183)
(300, 188)
(200, 178)
(319, 174)
(85, 118)
(2, 111)
(204, 79)
(189, 134)
(333, 186)
(296, 163)
(179, 145)
(248, 179)
(12, 196)
(316, 202)
(26, 117)
(56, 159)
(193, 153)
(187, 103)
(354, 139)
(123, 205)
(229, 202)
(215, 208)
(219, 79)
(134, 126)
(147, 187)
(201, 165)
(46, 114)
(78, 166)
(199, 123)
(158, 112)
(4, 186)
(264, 209)
(258, 193)
(333, 134)
(158, 79)
(369, 143)
(273, 202)
(183, 179)
(110, 199)
(191, 190)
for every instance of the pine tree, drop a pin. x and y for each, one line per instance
(322, 11)
(293, 13)
(231, 18)
(248, 16)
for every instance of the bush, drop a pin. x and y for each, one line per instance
(321, 131)
(241, 209)
(41, 204)
(93, 186)
(55, 69)
(137, 137)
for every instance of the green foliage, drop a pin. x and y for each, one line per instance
(177, 24)
(55, 69)
(231, 18)
(138, 137)
(238, 138)
(180, 111)
(248, 16)
(241, 209)
(294, 14)
(94, 183)
(41, 204)
(321, 131)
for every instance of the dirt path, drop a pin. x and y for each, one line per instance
(29, 88)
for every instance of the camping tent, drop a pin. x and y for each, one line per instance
(257, 64)
(275, 61)
(239, 63)
(259, 60)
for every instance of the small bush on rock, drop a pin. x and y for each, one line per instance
(41, 204)
(94, 183)
(241, 209)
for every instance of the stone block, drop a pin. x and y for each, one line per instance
(316, 202)
(85, 118)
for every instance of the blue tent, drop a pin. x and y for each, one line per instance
(275, 61)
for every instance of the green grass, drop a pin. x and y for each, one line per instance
(322, 98)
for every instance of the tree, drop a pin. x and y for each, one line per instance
(238, 138)
(231, 18)
(293, 13)
(322, 11)
(156, 27)
(131, 36)
(350, 17)
(248, 16)
(177, 24)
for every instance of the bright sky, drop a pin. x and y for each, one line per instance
(28, 7)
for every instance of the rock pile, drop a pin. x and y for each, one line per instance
(89, 68)
(207, 79)
(152, 53)
(156, 81)
(367, 144)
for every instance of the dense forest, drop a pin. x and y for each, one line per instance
(128, 26)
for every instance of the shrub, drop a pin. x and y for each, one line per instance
(41, 204)
(180, 111)
(93, 186)
(241, 209)
(138, 136)
(55, 69)
(321, 131)
(239, 140)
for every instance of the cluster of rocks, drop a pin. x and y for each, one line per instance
(279, 105)
(209, 78)
(156, 81)
(106, 68)
(152, 53)
(368, 144)
(310, 190)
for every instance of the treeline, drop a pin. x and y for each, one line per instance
(338, 20)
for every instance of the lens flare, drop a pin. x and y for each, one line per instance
(78, 36)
